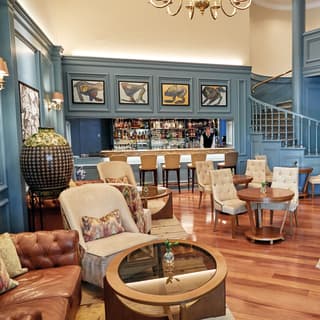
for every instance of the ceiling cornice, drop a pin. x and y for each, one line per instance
(284, 4)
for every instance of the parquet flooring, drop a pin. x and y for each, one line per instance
(264, 281)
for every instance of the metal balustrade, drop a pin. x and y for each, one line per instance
(279, 124)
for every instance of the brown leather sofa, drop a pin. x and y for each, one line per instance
(51, 289)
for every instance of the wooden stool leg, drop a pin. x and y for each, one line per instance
(140, 174)
(200, 198)
(178, 178)
(188, 170)
(155, 177)
(143, 177)
(163, 176)
(192, 180)
(167, 177)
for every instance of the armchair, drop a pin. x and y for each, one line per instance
(96, 200)
(257, 170)
(225, 197)
(116, 172)
(204, 183)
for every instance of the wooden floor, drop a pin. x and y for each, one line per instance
(264, 281)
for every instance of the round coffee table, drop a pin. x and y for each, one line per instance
(140, 285)
(149, 193)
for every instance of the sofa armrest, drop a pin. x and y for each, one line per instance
(47, 249)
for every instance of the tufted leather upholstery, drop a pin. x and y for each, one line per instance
(43, 292)
(286, 178)
(116, 169)
(225, 195)
(45, 249)
(204, 181)
(257, 170)
(268, 171)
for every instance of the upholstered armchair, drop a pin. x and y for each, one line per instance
(101, 215)
(257, 170)
(204, 183)
(225, 197)
(286, 178)
(116, 172)
(268, 170)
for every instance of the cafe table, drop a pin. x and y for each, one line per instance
(256, 201)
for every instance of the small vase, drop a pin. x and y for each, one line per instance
(168, 257)
(263, 189)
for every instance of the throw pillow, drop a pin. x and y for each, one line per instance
(5, 282)
(9, 255)
(96, 228)
(123, 179)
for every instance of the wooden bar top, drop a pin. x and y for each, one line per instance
(182, 151)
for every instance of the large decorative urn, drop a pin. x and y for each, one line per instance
(46, 161)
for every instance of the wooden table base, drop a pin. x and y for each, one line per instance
(267, 233)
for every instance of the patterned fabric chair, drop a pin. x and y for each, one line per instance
(257, 170)
(204, 182)
(225, 197)
(96, 200)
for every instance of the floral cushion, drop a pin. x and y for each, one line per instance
(132, 197)
(96, 228)
(123, 179)
(5, 282)
(9, 255)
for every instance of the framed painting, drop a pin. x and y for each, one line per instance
(30, 110)
(175, 94)
(213, 95)
(88, 91)
(133, 92)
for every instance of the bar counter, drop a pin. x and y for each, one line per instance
(161, 152)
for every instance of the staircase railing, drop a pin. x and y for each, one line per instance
(278, 124)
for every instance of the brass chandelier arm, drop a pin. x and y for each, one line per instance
(163, 5)
(234, 11)
(174, 13)
(236, 4)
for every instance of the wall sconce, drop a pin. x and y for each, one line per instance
(56, 101)
(3, 72)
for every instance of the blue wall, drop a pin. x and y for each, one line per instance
(31, 59)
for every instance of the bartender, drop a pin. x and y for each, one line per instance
(208, 138)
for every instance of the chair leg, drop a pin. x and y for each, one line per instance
(163, 177)
(188, 170)
(237, 221)
(167, 177)
(200, 198)
(211, 202)
(178, 178)
(140, 173)
(295, 217)
(215, 217)
(233, 226)
(143, 177)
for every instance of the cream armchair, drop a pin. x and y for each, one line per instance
(225, 197)
(204, 183)
(96, 200)
(257, 170)
(115, 171)
(268, 170)
(286, 178)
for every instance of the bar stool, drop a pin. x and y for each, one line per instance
(171, 163)
(192, 167)
(148, 164)
(118, 157)
(230, 161)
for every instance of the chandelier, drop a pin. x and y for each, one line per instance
(175, 6)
